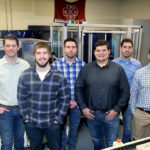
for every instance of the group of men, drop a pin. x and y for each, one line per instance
(43, 97)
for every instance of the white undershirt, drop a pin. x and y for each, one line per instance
(42, 74)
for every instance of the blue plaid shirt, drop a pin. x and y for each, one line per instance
(43, 102)
(140, 89)
(70, 72)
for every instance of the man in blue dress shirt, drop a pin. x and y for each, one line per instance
(130, 66)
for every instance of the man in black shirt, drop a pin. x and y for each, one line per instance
(102, 90)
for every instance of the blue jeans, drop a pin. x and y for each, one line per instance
(127, 118)
(36, 135)
(100, 128)
(11, 126)
(74, 120)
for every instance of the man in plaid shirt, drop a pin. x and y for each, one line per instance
(43, 96)
(70, 66)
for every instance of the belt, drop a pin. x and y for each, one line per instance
(147, 111)
(15, 106)
(99, 111)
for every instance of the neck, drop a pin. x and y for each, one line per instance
(70, 60)
(102, 63)
(11, 60)
(125, 59)
(43, 69)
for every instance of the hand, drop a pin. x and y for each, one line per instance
(26, 121)
(55, 121)
(72, 104)
(2, 110)
(111, 114)
(88, 114)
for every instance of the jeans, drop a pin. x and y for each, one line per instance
(11, 126)
(127, 118)
(100, 128)
(74, 120)
(36, 135)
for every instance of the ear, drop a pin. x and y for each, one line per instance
(149, 57)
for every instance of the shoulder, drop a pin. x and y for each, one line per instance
(56, 71)
(89, 66)
(23, 62)
(59, 60)
(142, 70)
(136, 62)
(116, 60)
(81, 61)
(27, 72)
(1, 61)
(115, 65)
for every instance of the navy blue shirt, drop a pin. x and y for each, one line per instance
(102, 89)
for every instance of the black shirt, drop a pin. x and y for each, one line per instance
(102, 89)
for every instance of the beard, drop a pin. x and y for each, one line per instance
(42, 65)
(73, 56)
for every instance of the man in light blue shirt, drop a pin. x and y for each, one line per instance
(130, 66)
(11, 67)
(140, 101)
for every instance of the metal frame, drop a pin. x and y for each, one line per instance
(130, 31)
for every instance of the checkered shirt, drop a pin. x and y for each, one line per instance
(43, 102)
(70, 72)
(140, 89)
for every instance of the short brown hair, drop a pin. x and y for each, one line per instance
(41, 45)
(10, 37)
(101, 43)
(70, 40)
(126, 40)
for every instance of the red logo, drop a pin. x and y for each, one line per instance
(70, 12)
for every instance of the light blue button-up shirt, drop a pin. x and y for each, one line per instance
(9, 76)
(130, 67)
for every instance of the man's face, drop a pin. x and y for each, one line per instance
(10, 47)
(126, 50)
(42, 57)
(70, 49)
(101, 53)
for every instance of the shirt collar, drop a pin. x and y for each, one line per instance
(64, 60)
(130, 60)
(107, 65)
(6, 62)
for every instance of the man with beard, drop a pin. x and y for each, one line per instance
(43, 96)
(70, 66)
(11, 67)
(130, 65)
